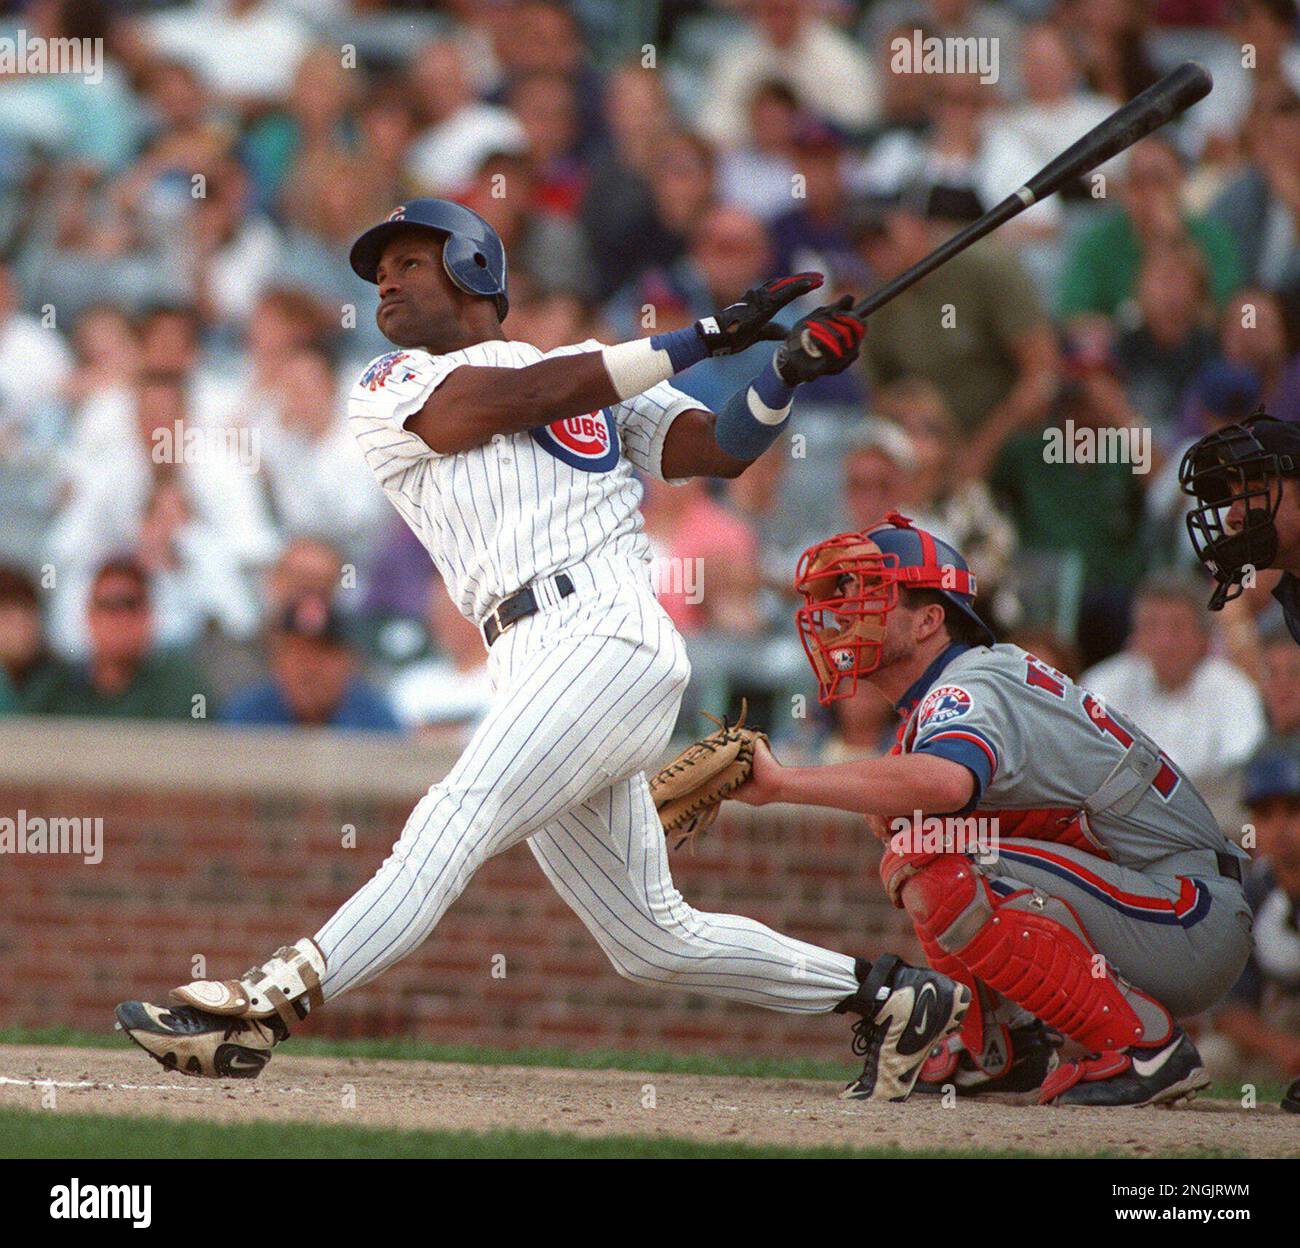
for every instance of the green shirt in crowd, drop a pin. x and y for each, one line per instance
(164, 688)
(1101, 270)
(1094, 509)
(958, 328)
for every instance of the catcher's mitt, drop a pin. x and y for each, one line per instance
(689, 791)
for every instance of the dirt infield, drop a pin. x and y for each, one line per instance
(795, 1113)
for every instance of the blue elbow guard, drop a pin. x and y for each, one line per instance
(754, 417)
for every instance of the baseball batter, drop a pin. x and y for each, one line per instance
(1101, 900)
(515, 470)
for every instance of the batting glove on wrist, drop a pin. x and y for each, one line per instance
(741, 324)
(825, 342)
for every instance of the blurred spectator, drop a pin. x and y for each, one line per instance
(941, 498)
(1101, 271)
(975, 327)
(540, 241)
(1205, 712)
(1261, 1018)
(863, 726)
(107, 351)
(811, 233)
(460, 131)
(788, 41)
(1058, 108)
(145, 474)
(1245, 82)
(705, 561)
(1260, 207)
(651, 238)
(127, 675)
(1110, 35)
(879, 463)
(28, 669)
(1172, 338)
(314, 678)
(1252, 332)
(314, 118)
(758, 175)
(317, 478)
(451, 691)
(247, 51)
(1280, 685)
(1077, 564)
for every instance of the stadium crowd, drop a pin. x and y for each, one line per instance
(188, 531)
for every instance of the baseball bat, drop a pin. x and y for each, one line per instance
(1161, 102)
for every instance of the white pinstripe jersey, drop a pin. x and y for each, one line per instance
(522, 506)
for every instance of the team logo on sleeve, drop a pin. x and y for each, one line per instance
(942, 706)
(589, 443)
(382, 369)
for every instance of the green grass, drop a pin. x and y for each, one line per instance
(51, 1134)
(405, 1049)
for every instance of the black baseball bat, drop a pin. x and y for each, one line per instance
(1159, 103)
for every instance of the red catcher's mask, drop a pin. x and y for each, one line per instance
(850, 585)
(847, 592)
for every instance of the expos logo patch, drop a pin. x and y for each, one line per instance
(942, 705)
(589, 442)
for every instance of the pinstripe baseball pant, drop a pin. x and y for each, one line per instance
(587, 692)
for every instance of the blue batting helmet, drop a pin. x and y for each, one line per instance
(1271, 773)
(472, 252)
(925, 562)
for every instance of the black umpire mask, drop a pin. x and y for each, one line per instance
(1243, 464)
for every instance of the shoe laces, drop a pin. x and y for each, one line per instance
(863, 1031)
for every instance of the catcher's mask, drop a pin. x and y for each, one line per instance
(850, 584)
(1246, 464)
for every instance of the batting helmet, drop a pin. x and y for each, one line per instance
(1243, 463)
(850, 584)
(472, 252)
(1271, 773)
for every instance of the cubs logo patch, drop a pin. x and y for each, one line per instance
(398, 213)
(941, 705)
(588, 443)
(382, 369)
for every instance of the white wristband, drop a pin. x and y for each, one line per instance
(635, 366)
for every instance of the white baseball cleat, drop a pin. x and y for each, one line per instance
(916, 1009)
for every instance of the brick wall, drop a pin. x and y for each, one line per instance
(226, 859)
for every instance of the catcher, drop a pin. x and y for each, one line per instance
(1114, 902)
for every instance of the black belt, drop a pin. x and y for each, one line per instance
(1229, 866)
(519, 606)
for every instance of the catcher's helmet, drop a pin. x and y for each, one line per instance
(472, 252)
(850, 584)
(1243, 463)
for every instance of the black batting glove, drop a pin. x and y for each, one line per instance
(741, 324)
(825, 342)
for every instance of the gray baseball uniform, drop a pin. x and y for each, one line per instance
(1087, 809)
